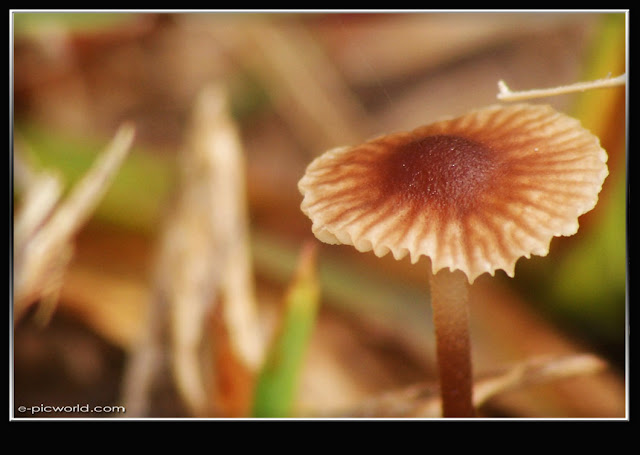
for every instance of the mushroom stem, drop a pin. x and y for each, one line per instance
(449, 301)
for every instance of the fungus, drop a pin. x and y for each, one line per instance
(473, 194)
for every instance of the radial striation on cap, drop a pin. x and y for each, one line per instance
(473, 193)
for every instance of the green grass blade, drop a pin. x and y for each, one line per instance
(278, 380)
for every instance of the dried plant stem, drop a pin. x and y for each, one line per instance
(506, 94)
(203, 261)
(420, 400)
(449, 301)
(45, 226)
(306, 87)
(216, 135)
(538, 370)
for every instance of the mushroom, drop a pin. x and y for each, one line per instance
(473, 194)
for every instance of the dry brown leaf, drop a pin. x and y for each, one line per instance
(203, 259)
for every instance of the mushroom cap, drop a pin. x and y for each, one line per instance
(473, 193)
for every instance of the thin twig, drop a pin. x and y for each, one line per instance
(506, 94)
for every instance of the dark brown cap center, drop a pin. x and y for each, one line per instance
(445, 171)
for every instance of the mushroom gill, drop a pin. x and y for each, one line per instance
(473, 193)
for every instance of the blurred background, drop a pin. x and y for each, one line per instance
(291, 86)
